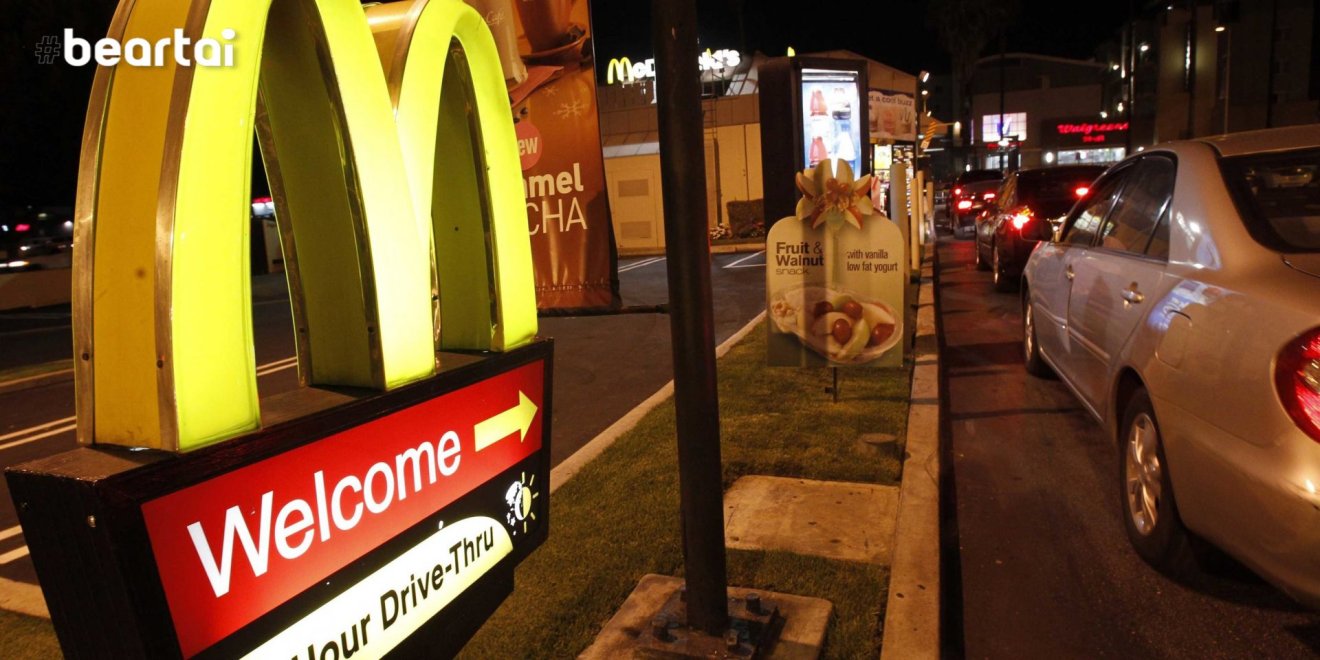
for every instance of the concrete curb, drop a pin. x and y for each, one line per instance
(912, 616)
(23, 598)
(574, 464)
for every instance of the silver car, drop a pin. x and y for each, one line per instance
(1180, 302)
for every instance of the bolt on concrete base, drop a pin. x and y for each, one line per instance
(762, 624)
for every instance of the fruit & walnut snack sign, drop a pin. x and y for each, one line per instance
(834, 276)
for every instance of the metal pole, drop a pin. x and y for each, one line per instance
(1228, 71)
(691, 321)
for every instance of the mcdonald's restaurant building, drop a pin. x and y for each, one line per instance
(733, 138)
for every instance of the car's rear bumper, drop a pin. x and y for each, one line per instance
(1258, 502)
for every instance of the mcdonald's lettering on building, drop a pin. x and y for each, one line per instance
(382, 507)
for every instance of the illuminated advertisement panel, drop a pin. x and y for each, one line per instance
(831, 119)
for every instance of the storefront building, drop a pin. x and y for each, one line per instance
(733, 139)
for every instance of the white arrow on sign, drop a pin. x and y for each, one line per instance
(519, 418)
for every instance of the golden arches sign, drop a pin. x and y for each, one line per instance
(395, 174)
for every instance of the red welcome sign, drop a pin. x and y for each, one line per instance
(234, 547)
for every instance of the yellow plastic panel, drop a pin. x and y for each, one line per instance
(305, 160)
(439, 140)
(123, 316)
(215, 384)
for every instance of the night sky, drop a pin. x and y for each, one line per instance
(893, 32)
(41, 126)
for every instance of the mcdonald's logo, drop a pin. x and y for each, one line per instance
(619, 68)
(391, 155)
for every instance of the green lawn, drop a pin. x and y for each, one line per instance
(618, 518)
(28, 637)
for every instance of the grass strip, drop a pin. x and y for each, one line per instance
(618, 518)
(28, 637)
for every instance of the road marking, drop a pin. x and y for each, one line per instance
(34, 331)
(38, 427)
(55, 431)
(749, 257)
(25, 379)
(641, 264)
(16, 553)
(12, 531)
(278, 365)
(42, 431)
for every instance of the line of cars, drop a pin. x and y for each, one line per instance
(1178, 298)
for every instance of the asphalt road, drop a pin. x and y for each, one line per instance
(1046, 569)
(604, 366)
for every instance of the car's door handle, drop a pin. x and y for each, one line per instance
(1132, 295)
(1068, 273)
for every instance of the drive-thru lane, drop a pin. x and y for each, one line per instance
(1046, 570)
(604, 366)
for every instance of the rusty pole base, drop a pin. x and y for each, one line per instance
(754, 623)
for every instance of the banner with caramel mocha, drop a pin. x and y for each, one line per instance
(546, 51)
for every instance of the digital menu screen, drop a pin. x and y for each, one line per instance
(831, 117)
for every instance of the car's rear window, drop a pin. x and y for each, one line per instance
(980, 175)
(1053, 192)
(1278, 196)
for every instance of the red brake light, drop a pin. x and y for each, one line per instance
(1297, 379)
(1081, 191)
(262, 200)
(965, 204)
(988, 195)
(1020, 220)
(22, 227)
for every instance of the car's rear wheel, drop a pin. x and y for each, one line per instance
(1031, 357)
(1001, 279)
(1150, 514)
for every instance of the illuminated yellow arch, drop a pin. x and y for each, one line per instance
(452, 111)
(162, 298)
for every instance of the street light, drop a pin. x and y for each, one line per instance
(1104, 115)
(925, 76)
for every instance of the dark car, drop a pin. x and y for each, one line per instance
(1021, 216)
(971, 192)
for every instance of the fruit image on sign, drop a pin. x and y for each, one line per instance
(842, 327)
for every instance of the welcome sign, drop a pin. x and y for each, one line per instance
(387, 511)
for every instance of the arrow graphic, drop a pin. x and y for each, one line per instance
(519, 419)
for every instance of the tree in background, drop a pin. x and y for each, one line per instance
(965, 28)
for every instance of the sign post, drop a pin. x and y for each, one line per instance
(691, 318)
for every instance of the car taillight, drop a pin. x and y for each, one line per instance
(957, 191)
(22, 227)
(965, 204)
(988, 195)
(1297, 379)
(1081, 191)
(1020, 220)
